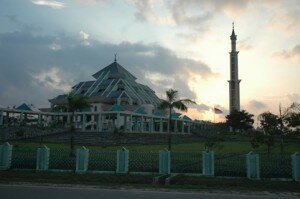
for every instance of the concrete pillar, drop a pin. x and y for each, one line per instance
(42, 158)
(164, 162)
(39, 118)
(189, 127)
(83, 122)
(118, 121)
(5, 156)
(296, 166)
(130, 124)
(161, 125)
(21, 117)
(125, 123)
(208, 163)
(253, 166)
(151, 125)
(82, 160)
(136, 124)
(142, 124)
(1, 117)
(68, 119)
(92, 122)
(122, 160)
(100, 122)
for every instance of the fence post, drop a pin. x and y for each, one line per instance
(122, 160)
(5, 156)
(82, 160)
(208, 163)
(296, 166)
(164, 162)
(42, 158)
(253, 166)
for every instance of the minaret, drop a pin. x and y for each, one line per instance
(234, 82)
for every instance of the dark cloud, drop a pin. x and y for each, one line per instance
(33, 71)
(257, 105)
(202, 108)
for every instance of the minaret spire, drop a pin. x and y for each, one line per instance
(115, 57)
(234, 82)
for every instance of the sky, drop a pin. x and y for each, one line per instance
(46, 47)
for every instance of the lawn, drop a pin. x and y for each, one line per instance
(240, 147)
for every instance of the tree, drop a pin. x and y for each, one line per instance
(172, 102)
(287, 119)
(292, 118)
(240, 120)
(75, 103)
(279, 125)
(270, 124)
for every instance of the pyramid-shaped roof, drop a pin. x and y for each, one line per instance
(116, 70)
(24, 107)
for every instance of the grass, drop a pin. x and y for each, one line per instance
(226, 147)
(181, 182)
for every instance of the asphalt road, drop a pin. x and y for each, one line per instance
(56, 192)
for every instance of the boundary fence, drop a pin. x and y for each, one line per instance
(205, 163)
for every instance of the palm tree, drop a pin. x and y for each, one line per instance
(172, 102)
(75, 103)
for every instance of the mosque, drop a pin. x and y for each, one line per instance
(119, 102)
(113, 85)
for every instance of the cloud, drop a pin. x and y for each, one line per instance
(36, 68)
(256, 105)
(51, 4)
(203, 107)
(84, 37)
(193, 14)
(244, 44)
(285, 18)
(146, 12)
(286, 54)
(53, 80)
(55, 46)
(294, 97)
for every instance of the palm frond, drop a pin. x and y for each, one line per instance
(171, 95)
(76, 102)
(180, 106)
(164, 105)
(187, 101)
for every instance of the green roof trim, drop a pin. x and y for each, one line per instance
(186, 118)
(24, 107)
(88, 109)
(140, 111)
(158, 113)
(116, 108)
(175, 116)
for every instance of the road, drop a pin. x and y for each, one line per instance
(61, 192)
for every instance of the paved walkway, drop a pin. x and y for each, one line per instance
(55, 192)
